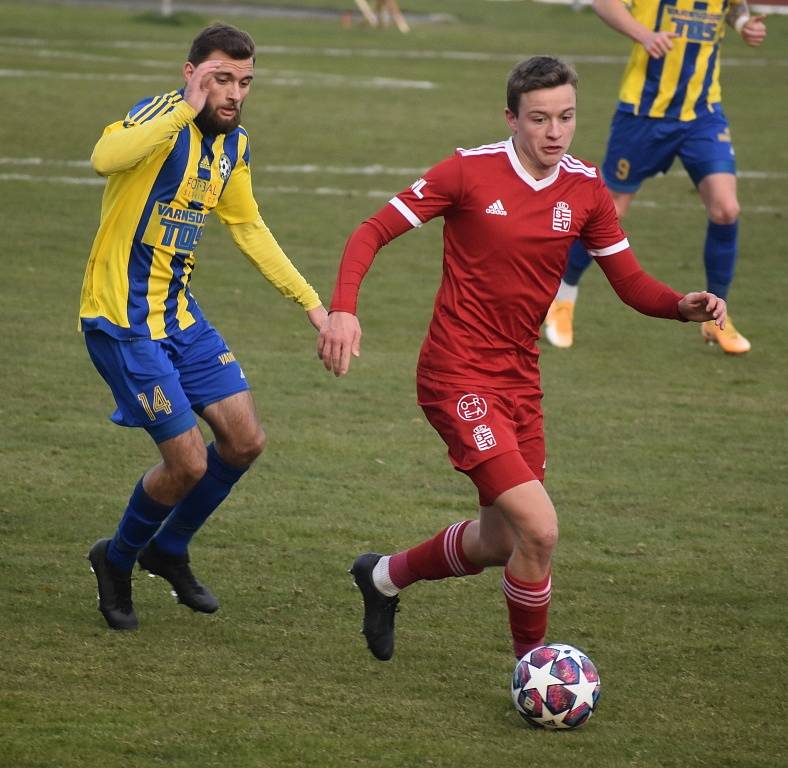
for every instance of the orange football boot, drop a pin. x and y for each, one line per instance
(558, 323)
(729, 339)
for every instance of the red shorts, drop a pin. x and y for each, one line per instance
(494, 436)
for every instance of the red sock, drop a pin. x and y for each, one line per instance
(528, 603)
(433, 559)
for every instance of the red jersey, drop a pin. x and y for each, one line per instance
(506, 242)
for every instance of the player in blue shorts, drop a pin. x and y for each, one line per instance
(669, 106)
(173, 160)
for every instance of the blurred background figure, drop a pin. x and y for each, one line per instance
(670, 106)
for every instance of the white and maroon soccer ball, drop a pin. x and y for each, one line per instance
(555, 686)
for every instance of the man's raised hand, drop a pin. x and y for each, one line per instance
(198, 80)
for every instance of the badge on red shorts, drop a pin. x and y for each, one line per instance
(483, 437)
(471, 407)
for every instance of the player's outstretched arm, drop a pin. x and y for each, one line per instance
(340, 337)
(260, 247)
(700, 306)
(615, 14)
(649, 296)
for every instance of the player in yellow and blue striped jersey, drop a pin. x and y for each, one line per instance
(670, 106)
(174, 160)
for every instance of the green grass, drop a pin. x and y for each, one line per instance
(667, 460)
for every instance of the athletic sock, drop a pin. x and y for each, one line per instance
(437, 558)
(719, 257)
(382, 579)
(190, 513)
(528, 603)
(566, 292)
(139, 523)
(579, 261)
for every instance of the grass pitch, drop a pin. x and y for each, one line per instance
(667, 460)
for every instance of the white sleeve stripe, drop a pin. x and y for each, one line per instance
(610, 250)
(573, 161)
(411, 217)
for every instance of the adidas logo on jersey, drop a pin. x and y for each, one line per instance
(496, 209)
(205, 164)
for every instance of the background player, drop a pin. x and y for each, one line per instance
(173, 160)
(511, 211)
(669, 105)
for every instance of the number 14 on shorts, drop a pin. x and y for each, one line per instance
(160, 403)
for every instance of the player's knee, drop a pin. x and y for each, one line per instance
(188, 471)
(539, 542)
(725, 211)
(545, 540)
(247, 447)
(256, 444)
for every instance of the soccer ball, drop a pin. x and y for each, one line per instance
(555, 686)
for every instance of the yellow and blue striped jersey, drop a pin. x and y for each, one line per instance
(165, 178)
(685, 81)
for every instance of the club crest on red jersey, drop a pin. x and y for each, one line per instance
(562, 216)
(471, 407)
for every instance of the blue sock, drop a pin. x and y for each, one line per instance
(719, 257)
(578, 263)
(139, 523)
(189, 514)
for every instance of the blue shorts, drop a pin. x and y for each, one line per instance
(640, 147)
(157, 385)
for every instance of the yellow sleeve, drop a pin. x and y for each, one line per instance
(237, 204)
(257, 243)
(122, 148)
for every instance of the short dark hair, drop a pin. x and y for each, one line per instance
(226, 38)
(535, 73)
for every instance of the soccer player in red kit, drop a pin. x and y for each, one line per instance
(511, 210)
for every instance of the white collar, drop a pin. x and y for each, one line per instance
(535, 184)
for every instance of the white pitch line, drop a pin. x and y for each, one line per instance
(304, 169)
(80, 75)
(76, 180)
(324, 191)
(38, 161)
(335, 191)
(48, 53)
(368, 53)
(6, 40)
(268, 77)
(343, 170)
(308, 169)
